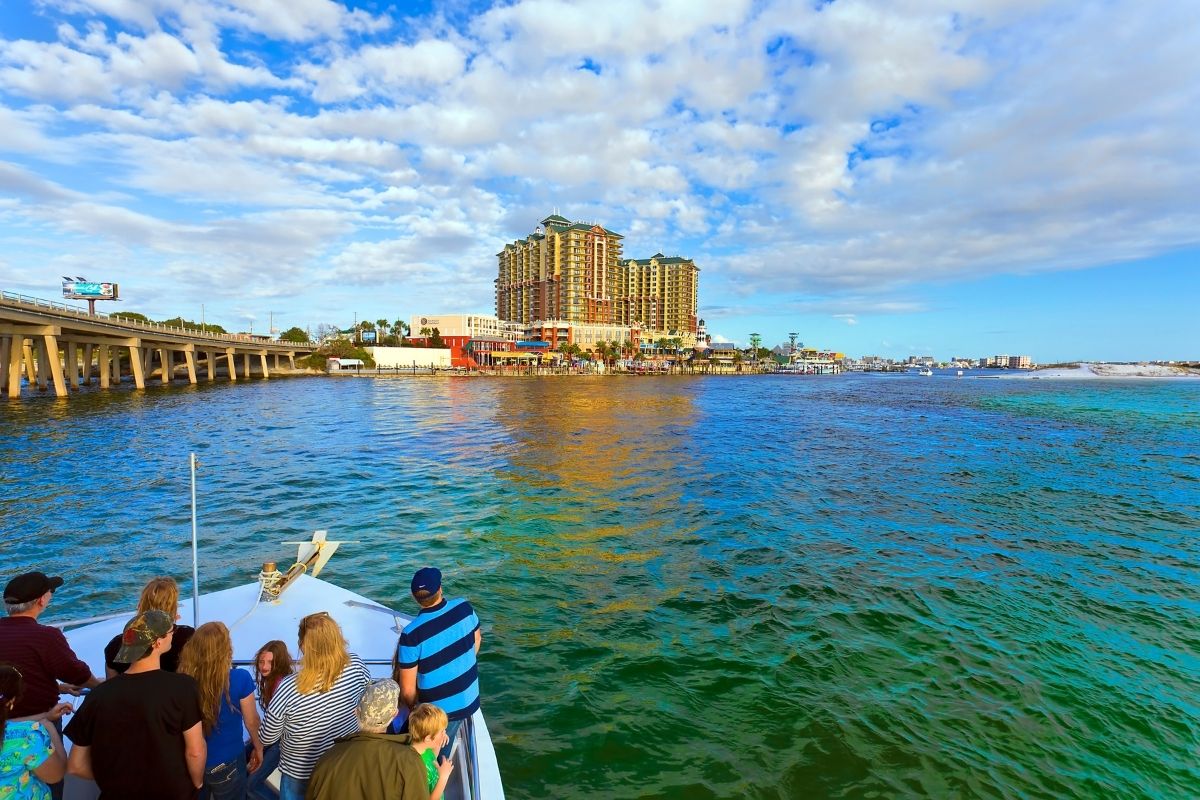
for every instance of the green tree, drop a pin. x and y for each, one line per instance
(435, 338)
(190, 324)
(294, 334)
(132, 316)
(337, 348)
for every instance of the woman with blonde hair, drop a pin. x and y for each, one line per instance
(316, 705)
(162, 594)
(226, 703)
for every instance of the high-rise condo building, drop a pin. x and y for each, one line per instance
(663, 292)
(573, 272)
(564, 270)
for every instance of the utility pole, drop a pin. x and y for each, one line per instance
(202, 316)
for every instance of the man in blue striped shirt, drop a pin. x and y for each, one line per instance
(435, 657)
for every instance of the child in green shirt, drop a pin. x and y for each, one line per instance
(427, 725)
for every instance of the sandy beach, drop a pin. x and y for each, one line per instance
(1088, 371)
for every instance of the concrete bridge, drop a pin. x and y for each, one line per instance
(59, 346)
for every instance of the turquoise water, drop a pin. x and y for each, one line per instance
(855, 586)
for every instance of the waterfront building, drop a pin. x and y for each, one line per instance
(1006, 362)
(470, 325)
(573, 273)
(662, 292)
(562, 271)
(810, 360)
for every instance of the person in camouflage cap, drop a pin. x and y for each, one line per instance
(141, 733)
(371, 764)
(378, 705)
(140, 634)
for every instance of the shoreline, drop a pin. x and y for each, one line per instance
(1102, 371)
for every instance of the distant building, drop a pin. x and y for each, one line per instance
(662, 293)
(1019, 362)
(573, 272)
(469, 325)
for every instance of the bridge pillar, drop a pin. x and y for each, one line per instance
(292, 360)
(246, 364)
(138, 365)
(277, 362)
(16, 354)
(190, 358)
(5, 354)
(102, 362)
(168, 368)
(231, 359)
(116, 366)
(49, 349)
(30, 372)
(211, 358)
(43, 365)
(146, 354)
(72, 365)
(263, 358)
(88, 352)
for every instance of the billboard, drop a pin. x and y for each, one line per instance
(88, 290)
(368, 335)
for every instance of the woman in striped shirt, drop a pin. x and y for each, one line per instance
(316, 705)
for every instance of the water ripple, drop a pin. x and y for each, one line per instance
(866, 586)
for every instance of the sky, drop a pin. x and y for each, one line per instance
(891, 177)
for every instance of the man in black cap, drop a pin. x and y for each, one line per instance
(40, 652)
(141, 733)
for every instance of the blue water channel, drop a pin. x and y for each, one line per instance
(769, 586)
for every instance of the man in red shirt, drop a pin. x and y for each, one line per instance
(39, 651)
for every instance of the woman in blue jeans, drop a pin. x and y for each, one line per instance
(226, 703)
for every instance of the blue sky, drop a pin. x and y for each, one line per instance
(888, 178)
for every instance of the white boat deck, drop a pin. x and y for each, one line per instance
(370, 629)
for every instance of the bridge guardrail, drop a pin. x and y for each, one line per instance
(40, 303)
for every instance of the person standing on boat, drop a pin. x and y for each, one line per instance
(273, 662)
(141, 733)
(435, 657)
(316, 705)
(39, 651)
(227, 703)
(31, 753)
(163, 594)
(371, 764)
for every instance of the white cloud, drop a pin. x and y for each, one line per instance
(838, 152)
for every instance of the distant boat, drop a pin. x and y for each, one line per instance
(927, 372)
(959, 373)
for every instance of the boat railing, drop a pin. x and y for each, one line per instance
(71, 623)
(472, 755)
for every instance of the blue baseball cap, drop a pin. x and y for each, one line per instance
(427, 579)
